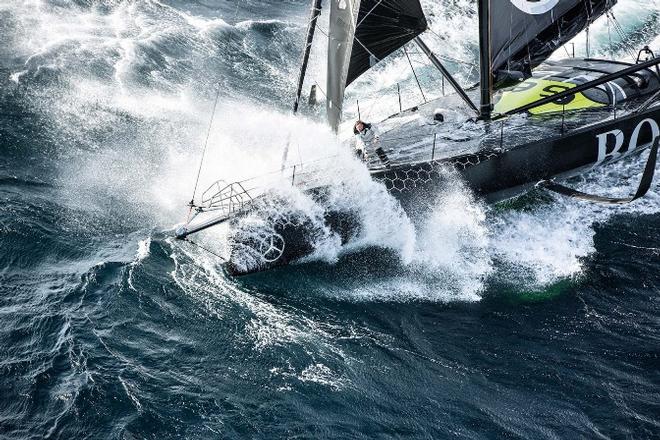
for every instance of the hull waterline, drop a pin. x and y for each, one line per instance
(494, 174)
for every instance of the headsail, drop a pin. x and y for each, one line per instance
(383, 27)
(524, 33)
(361, 33)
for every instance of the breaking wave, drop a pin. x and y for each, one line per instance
(136, 81)
(112, 328)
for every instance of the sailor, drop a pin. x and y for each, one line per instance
(366, 139)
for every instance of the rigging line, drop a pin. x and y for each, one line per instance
(207, 250)
(380, 95)
(378, 99)
(368, 13)
(609, 37)
(320, 29)
(619, 29)
(319, 87)
(588, 43)
(415, 74)
(366, 48)
(469, 74)
(356, 39)
(447, 57)
(455, 60)
(206, 143)
(272, 173)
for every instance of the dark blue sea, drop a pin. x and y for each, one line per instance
(535, 319)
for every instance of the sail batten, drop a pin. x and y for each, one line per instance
(383, 26)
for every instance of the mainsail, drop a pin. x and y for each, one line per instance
(521, 34)
(361, 33)
(524, 33)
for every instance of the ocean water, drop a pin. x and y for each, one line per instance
(539, 318)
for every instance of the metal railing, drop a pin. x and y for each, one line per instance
(229, 198)
(507, 132)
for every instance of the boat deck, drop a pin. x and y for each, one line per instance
(414, 136)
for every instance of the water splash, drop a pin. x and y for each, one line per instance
(131, 79)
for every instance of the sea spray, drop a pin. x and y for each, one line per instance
(453, 241)
(133, 139)
(344, 189)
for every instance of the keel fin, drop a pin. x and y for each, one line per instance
(644, 184)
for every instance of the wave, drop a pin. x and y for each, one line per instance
(129, 109)
(19, 182)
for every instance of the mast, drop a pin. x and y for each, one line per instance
(360, 34)
(486, 77)
(311, 28)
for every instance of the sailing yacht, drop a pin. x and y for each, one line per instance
(529, 123)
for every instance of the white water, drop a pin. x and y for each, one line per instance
(451, 255)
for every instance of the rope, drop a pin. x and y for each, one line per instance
(356, 39)
(206, 249)
(206, 143)
(319, 87)
(619, 29)
(609, 37)
(374, 102)
(414, 74)
(368, 13)
(588, 42)
(447, 57)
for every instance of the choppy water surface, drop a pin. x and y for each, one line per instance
(536, 319)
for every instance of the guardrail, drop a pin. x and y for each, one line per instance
(503, 133)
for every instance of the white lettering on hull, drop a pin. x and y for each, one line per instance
(611, 143)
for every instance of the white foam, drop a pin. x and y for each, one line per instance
(143, 249)
(452, 255)
(322, 375)
(267, 326)
(537, 248)
(454, 242)
(350, 189)
(629, 14)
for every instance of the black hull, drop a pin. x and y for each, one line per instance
(494, 174)
(498, 174)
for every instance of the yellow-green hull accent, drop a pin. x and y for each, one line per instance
(534, 89)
